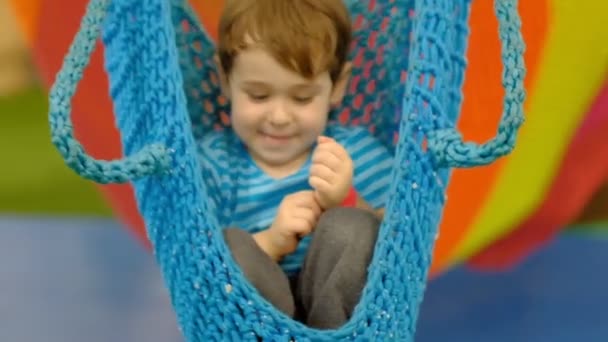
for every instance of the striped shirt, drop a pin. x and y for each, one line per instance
(257, 196)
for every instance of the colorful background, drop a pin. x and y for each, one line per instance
(500, 218)
(496, 215)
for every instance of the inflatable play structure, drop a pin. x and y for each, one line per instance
(495, 215)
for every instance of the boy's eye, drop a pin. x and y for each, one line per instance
(258, 97)
(303, 99)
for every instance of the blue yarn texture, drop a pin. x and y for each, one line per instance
(409, 58)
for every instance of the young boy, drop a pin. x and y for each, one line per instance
(283, 64)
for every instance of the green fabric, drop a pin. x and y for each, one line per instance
(33, 177)
(595, 229)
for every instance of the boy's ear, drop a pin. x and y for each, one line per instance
(341, 84)
(222, 76)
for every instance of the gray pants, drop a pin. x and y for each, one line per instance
(327, 289)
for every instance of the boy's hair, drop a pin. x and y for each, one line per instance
(306, 36)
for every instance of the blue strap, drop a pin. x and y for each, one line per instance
(152, 159)
(447, 145)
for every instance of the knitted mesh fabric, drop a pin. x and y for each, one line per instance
(409, 68)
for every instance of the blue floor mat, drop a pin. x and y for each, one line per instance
(89, 280)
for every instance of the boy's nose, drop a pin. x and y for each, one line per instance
(279, 116)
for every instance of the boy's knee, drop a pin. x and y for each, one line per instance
(260, 270)
(344, 227)
(235, 237)
(232, 233)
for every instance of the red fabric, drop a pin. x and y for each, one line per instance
(351, 198)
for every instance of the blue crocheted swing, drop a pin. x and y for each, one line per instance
(409, 66)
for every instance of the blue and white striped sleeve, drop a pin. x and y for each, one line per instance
(373, 165)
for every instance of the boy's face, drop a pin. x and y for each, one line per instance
(277, 113)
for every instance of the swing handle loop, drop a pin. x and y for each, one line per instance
(152, 159)
(447, 145)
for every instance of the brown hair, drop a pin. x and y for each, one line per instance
(305, 36)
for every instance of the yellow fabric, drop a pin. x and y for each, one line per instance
(572, 70)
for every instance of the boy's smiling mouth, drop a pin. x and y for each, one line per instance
(277, 137)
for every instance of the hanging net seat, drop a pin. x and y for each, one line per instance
(409, 64)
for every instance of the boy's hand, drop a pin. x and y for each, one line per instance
(296, 217)
(331, 173)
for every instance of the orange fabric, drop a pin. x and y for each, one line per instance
(27, 13)
(481, 111)
(209, 14)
